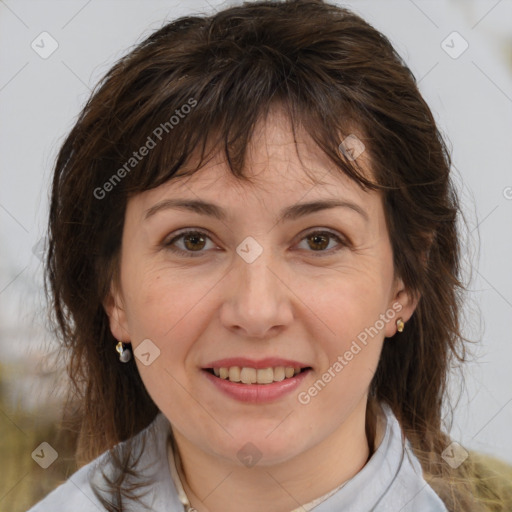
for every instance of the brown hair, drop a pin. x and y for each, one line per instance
(330, 70)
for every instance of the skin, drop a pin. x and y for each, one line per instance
(288, 303)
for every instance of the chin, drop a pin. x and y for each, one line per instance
(257, 450)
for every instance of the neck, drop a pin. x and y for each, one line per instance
(214, 485)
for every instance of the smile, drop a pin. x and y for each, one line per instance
(255, 382)
(248, 375)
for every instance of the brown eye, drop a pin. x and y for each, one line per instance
(192, 242)
(319, 241)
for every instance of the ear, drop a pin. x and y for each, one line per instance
(114, 307)
(403, 303)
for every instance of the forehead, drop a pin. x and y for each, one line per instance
(279, 159)
(282, 165)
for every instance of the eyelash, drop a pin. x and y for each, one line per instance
(190, 254)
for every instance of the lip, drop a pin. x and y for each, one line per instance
(268, 362)
(256, 393)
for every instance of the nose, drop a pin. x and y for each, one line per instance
(257, 302)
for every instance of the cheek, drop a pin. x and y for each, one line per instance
(150, 307)
(170, 312)
(350, 333)
(346, 304)
(350, 350)
(167, 307)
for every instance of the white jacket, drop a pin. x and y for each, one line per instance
(391, 481)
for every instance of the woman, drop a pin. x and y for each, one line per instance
(254, 262)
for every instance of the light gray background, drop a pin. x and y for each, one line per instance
(471, 97)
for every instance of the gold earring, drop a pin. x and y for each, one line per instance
(400, 325)
(125, 354)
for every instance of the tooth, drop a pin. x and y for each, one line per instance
(289, 371)
(279, 374)
(234, 374)
(252, 375)
(248, 375)
(265, 376)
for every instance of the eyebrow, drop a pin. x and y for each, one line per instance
(289, 213)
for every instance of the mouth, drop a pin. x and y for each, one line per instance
(256, 381)
(249, 375)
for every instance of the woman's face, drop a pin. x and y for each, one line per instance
(256, 289)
